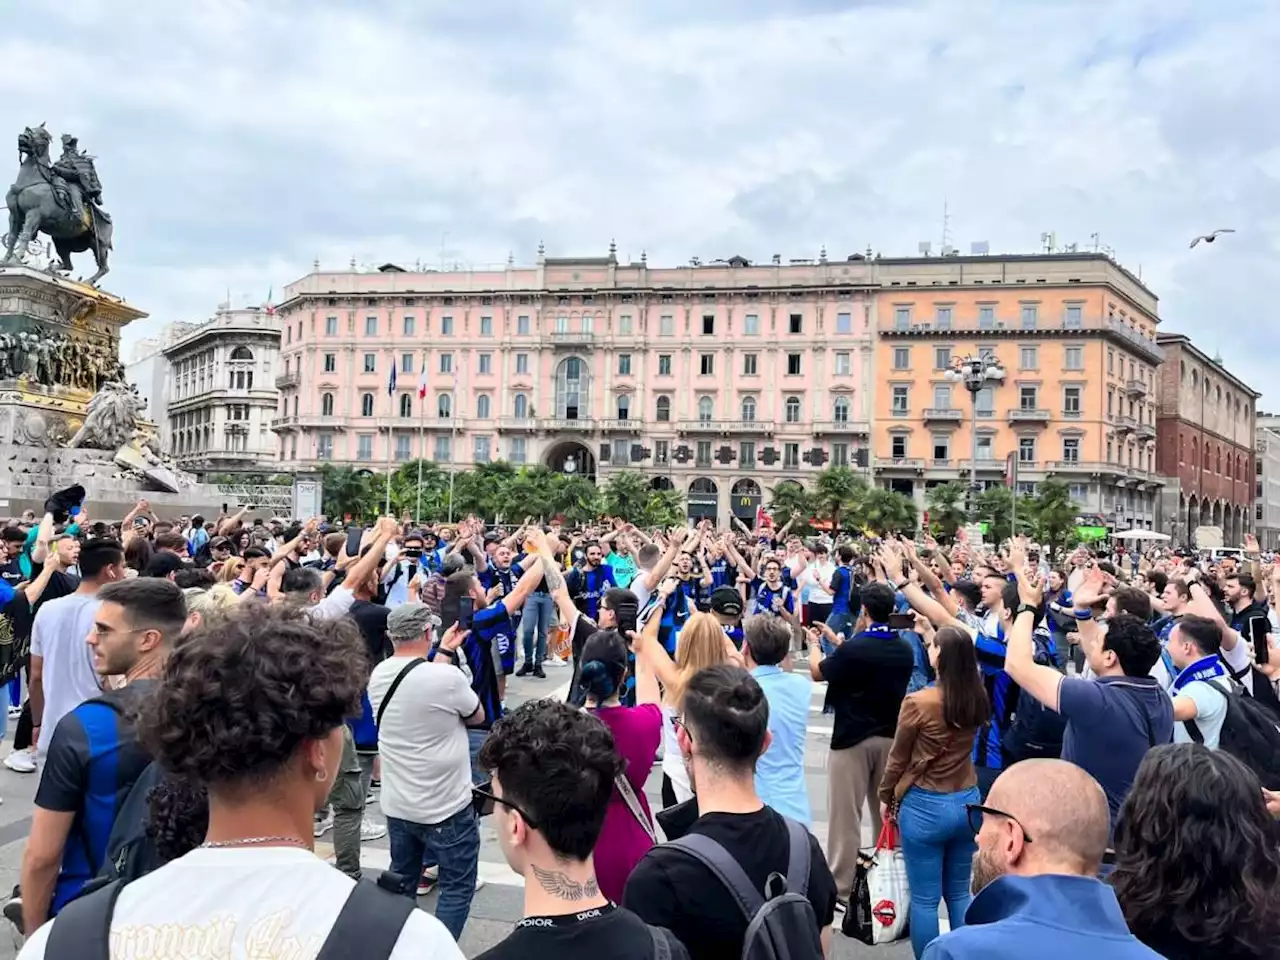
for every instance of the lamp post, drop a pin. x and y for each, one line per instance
(976, 373)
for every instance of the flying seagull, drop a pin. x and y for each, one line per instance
(1210, 237)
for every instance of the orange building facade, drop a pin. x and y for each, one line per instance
(1075, 337)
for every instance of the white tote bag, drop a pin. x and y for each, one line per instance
(881, 895)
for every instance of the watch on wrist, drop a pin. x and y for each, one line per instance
(1026, 608)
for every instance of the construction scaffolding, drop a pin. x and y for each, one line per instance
(262, 496)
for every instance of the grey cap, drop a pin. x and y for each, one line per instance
(409, 621)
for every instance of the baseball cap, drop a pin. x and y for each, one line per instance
(727, 601)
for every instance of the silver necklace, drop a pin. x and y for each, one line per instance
(254, 842)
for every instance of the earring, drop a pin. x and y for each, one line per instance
(320, 776)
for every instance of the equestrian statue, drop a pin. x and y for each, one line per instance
(61, 199)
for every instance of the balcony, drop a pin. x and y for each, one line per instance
(726, 428)
(284, 423)
(841, 428)
(900, 463)
(1135, 388)
(1083, 467)
(284, 380)
(943, 415)
(1146, 348)
(1146, 431)
(567, 425)
(1125, 425)
(517, 424)
(1029, 415)
(942, 463)
(626, 425)
(573, 340)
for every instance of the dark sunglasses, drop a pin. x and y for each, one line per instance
(976, 811)
(483, 801)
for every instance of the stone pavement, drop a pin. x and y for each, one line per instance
(498, 903)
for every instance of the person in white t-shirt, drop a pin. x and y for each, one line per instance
(253, 706)
(1200, 688)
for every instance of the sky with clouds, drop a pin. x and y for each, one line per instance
(240, 140)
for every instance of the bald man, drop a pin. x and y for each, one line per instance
(1042, 834)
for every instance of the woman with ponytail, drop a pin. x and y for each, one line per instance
(637, 731)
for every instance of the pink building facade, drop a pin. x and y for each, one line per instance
(720, 381)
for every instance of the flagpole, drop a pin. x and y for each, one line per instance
(422, 433)
(453, 453)
(391, 397)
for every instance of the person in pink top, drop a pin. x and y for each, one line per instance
(628, 825)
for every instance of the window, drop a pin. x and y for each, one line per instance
(1028, 358)
(985, 401)
(370, 326)
(324, 446)
(331, 330)
(1071, 401)
(702, 453)
(984, 448)
(326, 405)
(793, 410)
(840, 455)
(662, 451)
(897, 446)
(522, 328)
(562, 324)
(706, 364)
(706, 409)
(1030, 316)
(1073, 358)
(446, 326)
(986, 318)
(746, 453)
(444, 449)
(446, 363)
(843, 364)
(330, 363)
(795, 323)
(624, 407)
(793, 364)
(366, 404)
(517, 451)
(619, 453)
(486, 326)
(664, 409)
(410, 326)
(1074, 318)
(901, 318)
(404, 448)
(406, 405)
(483, 405)
(1026, 398)
(666, 325)
(486, 363)
(900, 400)
(664, 364)
(942, 318)
(942, 358)
(624, 324)
(749, 361)
(444, 406)
(791, 455)
(588, 321)
(840, 410)
(942, 396)
(751, 325)
(624, 364)
(406, 363)
(1079, 492)
(844, 323)
(1111, 361)
(708, 324)
(482, 449)
(370, 362)
(749, 409)
(522, 363)
(364, 446)
(1026, 449)
(1071, 449)
(902, 358)
(520, 406)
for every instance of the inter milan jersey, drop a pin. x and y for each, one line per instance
(490, 628)
(767, 594)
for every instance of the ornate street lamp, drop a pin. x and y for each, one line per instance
(976, 373)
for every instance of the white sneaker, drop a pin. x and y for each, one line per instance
(479, 882)
(324, 824)
(21, 761)
(372, 830)
(555, 662)
(15, 713)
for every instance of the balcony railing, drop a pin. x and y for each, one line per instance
(1029, 415)
(284, 423)
(942, 463)
(1083, 466)
(728, 427)
(518, 424)
(566, 425)
(943, 415)
(1126, 424)
(1135, 388)
(626, 425)
(576, 338)
(1146, 431)
(287, 380)
(841, 428)
(900, 463)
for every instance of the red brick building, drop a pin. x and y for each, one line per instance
(1205, 427)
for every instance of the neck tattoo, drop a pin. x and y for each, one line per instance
(560, 886)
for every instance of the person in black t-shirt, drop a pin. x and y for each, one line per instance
(723, 732)
(549, 809)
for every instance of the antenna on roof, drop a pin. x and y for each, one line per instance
(946, 227)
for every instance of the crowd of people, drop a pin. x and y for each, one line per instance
(1079, 758)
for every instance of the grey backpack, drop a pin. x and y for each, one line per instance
(781, 924)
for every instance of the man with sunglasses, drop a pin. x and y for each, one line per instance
(1041, 836)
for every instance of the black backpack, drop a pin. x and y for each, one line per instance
(367, 927)
(1250, 733)
(781, 924)
(1036, 731)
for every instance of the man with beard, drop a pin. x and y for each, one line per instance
(1041, 836)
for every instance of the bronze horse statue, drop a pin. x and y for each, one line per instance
(58, 199)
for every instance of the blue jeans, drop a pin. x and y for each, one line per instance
(839, 623)
(938, 847)
(535, 615)
(454, 844)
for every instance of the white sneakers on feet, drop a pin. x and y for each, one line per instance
(372, 830)
(21, 761)
(324, 824)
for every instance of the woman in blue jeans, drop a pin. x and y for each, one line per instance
(930, 777)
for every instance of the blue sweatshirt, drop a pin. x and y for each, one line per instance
(1050, 917)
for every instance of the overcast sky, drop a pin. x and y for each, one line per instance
(238, 140)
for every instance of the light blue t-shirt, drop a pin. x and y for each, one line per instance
(1211, 711)
(780, 770)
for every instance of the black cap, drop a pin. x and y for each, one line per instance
(60, 503)
(726, 600)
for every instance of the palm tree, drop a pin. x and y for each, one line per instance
(531, 492)
(837, 490)
(665, 508)
(1055, 514)
(347, 492)
(577, 498)
(946, 509)
(627, 495)
(886, 512)
(789, 502)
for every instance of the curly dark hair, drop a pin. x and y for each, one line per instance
(1198, 871)
(178, 816)
(558, 765)
(240, 694)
